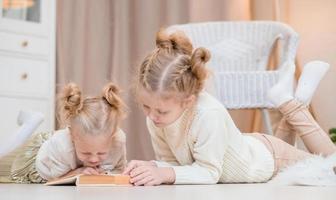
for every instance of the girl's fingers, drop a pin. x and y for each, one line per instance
(151, 183)
(126, 171)
(90, 170)
(144, 181)
(139, 177)
(131, 165)
(136, 163)
(101, 171)
(137, 171)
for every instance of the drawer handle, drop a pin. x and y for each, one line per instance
(24, 76)
(24, 43)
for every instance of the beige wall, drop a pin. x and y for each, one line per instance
(313, 20)
(210, 10)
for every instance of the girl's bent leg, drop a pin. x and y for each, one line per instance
(314, 138)
(285, 132)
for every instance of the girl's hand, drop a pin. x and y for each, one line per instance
(90, 171)
(137, 163)
(152, 175)
(82, 170)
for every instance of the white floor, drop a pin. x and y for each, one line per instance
(185, 192)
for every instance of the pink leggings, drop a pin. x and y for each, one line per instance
(296, 119)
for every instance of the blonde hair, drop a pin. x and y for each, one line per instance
(93, 115)
(174, 66)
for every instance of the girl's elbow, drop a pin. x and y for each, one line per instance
(215, 176)
(214, 180)
(46, 172)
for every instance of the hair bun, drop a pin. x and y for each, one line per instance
(72, 98)
(198, 59)
(111, 95)
(201, 54)
(110, 88)
(162, 40)
(70, 103)
(176, 42)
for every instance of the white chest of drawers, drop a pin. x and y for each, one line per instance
(27, 61)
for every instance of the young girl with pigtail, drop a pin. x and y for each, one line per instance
(194, 138)
(90, 143)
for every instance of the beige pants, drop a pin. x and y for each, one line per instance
(296, 120)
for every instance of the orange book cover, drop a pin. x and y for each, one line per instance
(93, 180)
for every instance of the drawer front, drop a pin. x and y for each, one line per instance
(10, 108)
(24, 77)
(23, 44)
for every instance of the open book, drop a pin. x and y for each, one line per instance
(92, 180)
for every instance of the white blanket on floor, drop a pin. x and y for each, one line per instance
(317, 171)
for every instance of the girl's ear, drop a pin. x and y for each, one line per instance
(189, 101)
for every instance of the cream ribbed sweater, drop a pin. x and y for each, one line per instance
(57, 155)
(204, 147)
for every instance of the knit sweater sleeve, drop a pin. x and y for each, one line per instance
(163, 155)
(210, 137)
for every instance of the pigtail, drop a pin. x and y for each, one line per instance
(198, 60)
(111, 95)
(70, 103)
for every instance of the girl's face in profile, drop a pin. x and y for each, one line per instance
(162, 111)
(91, 149)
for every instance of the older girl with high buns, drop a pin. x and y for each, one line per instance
(194, 138)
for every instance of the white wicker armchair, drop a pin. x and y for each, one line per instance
(240, 55)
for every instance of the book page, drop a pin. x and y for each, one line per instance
(63, 181)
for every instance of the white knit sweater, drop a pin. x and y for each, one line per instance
(57, 155)
(205, 147)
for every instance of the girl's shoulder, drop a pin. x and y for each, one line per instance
(62, 134)
(209, 111)
(61, 140)
(120, 136)
(208, 103)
